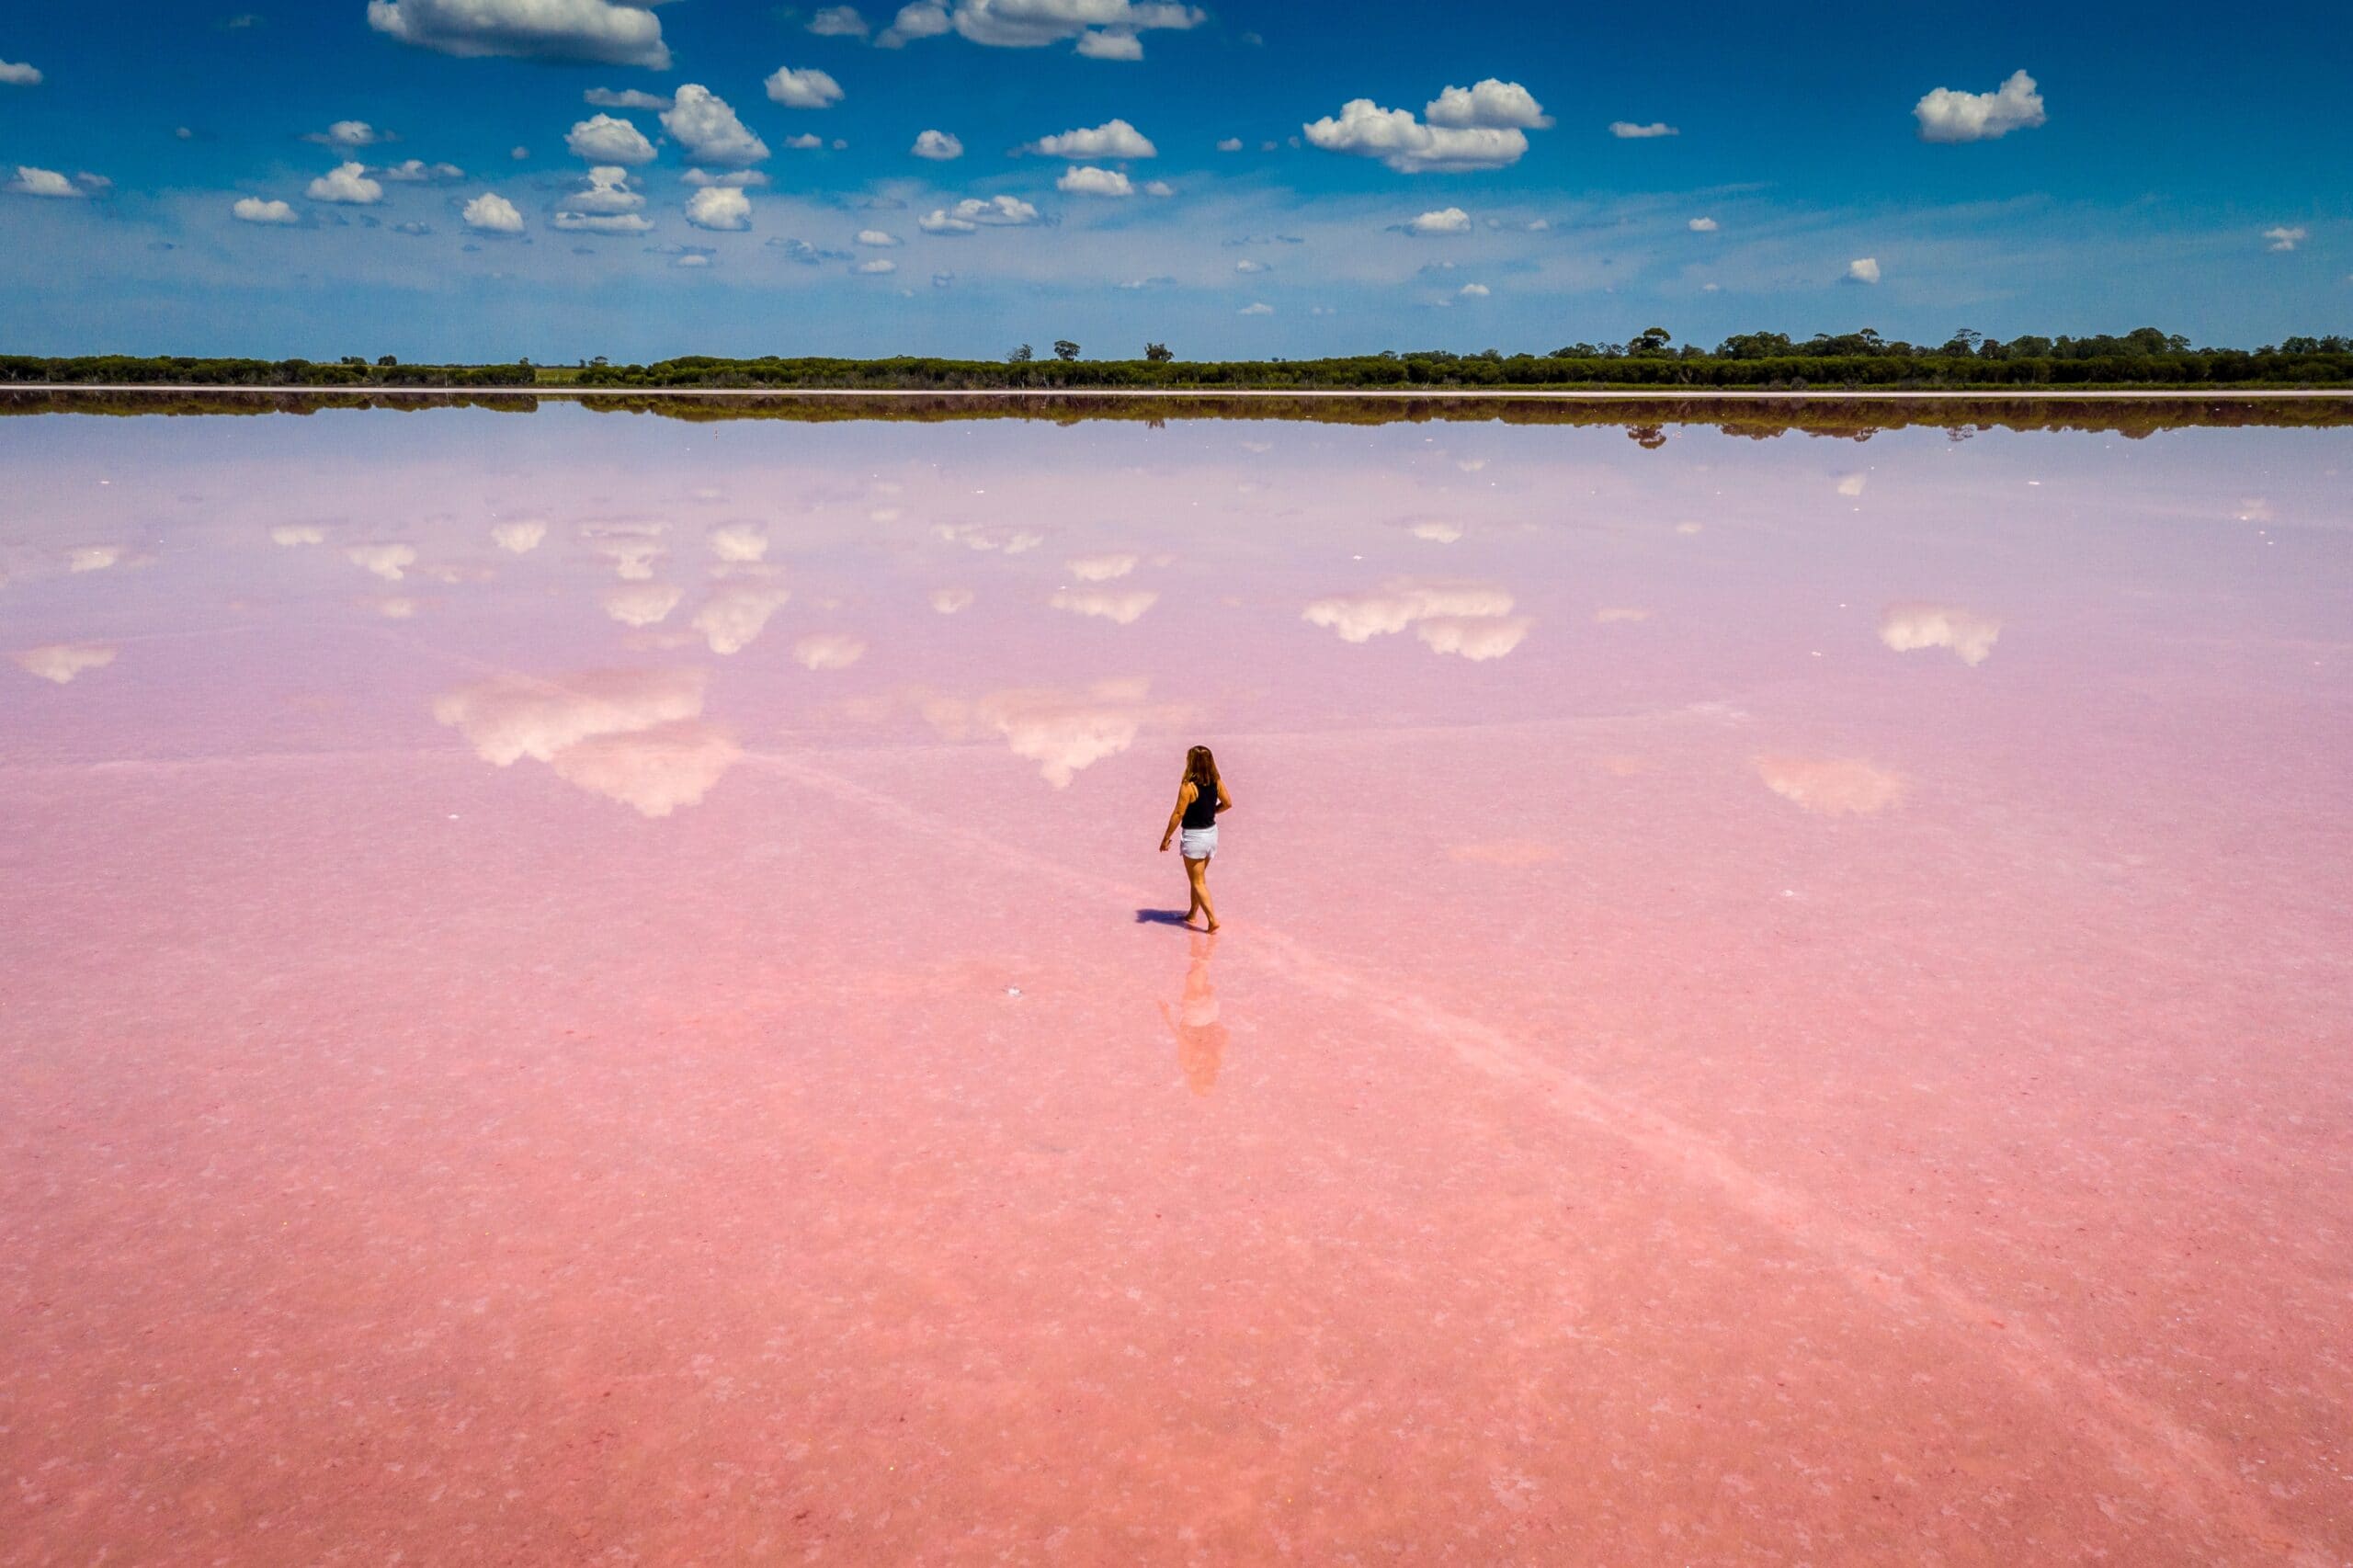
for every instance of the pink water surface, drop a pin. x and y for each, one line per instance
(588, 989)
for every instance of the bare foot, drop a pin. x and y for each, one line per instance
(1212, 926)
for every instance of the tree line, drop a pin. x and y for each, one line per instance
(1761, 361)
(1646, 421)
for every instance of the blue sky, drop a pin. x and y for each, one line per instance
(2180, 166)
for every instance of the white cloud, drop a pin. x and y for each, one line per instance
(603, 223)
(719, 206)
(30, 181)
(1063, 733)
(1909, 627)
(828, 651)
(1157, 187)
(597, 30)
(1119, 609)
(1251, 264)
(979, 536)
(61, 662)
(878, 237)
(653, 771)
(19, 74)
(520, 537)
(708, 129)
(1473, 291)
(634, 736)
(607, 139)
(923, 18)
(1442, 220)
(347, 184)
(493, 214)
(1702, 225)
(876, 267)
(1490, 103)
(742, 179)
(1863, 270)
(1230, 145)
(1110, 44)
(975, 213)
(390, 561)
(736, 612)
(2285, 237)
(1100, 568)
(607, 191)
(1627, 131)
(1112, 138)
(416, 171)
(1259, 308)
(738, 544)
(350, 133)
(838, 21)
(629, 97)
(1476, 638)
(1104, 29)
(1947, 116)
(1831, 787)
(253, 210)
(631, 548)
(509, 716)
(1471, 620)
(1406, 144)
(806, 88)
(641, 604)
(938, 146)
(1085, 179)
(804, 141)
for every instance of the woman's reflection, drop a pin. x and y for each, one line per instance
(1201, 1037)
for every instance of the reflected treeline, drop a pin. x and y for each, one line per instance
(1645, 419)
(147, 405)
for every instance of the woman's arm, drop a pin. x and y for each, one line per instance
(1225, 801)
(1185, 793)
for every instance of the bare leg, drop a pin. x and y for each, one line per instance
(1198, 873)
(1192, 886)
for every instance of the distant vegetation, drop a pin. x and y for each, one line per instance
(1759, 361)
(1649, 421)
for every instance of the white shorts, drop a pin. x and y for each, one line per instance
(1197, 842)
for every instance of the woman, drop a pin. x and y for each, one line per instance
(1199, 799)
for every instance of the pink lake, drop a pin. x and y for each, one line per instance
(591, 988)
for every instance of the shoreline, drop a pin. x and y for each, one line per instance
(1452, 394)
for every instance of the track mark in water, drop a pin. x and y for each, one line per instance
(2180, 1467)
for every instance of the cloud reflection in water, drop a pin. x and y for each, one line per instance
(633, 736)
(61, 662)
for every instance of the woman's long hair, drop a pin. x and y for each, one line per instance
(1201, 767)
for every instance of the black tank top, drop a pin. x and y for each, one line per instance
(1202, 813)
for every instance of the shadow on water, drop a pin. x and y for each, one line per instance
(1160, 917)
